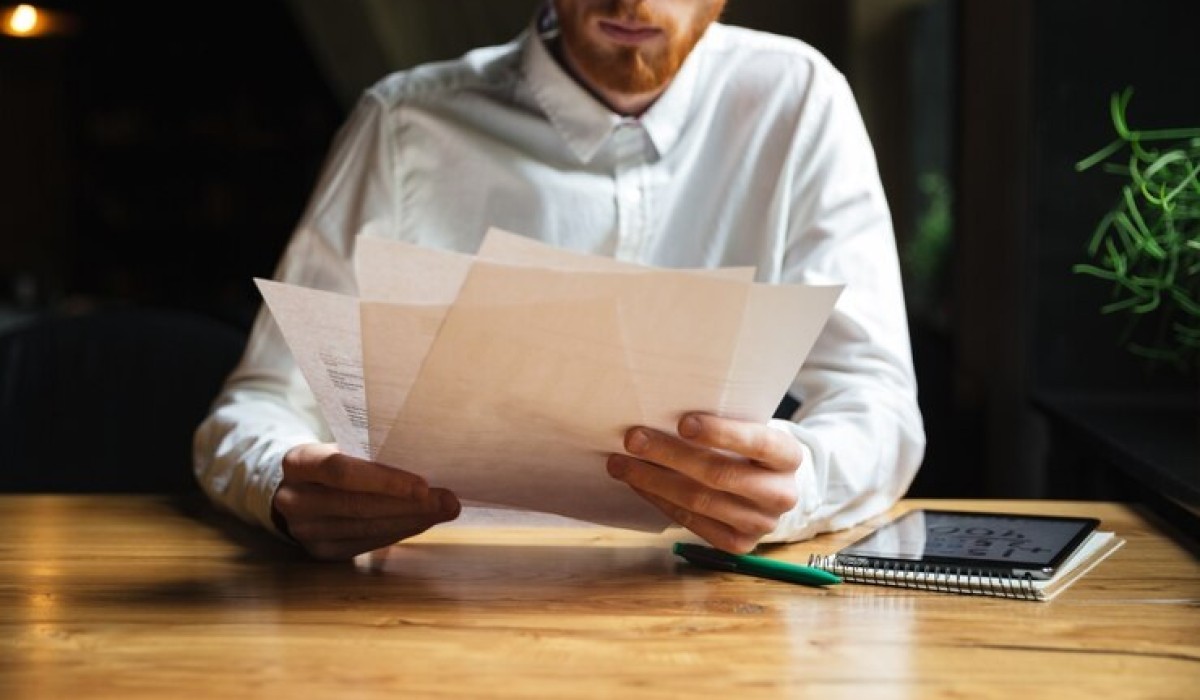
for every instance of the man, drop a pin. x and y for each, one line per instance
(640, 129)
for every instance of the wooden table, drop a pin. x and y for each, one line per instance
(143, 596)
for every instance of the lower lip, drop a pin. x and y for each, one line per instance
(630, 37)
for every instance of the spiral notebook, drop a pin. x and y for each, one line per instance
(1027, 557)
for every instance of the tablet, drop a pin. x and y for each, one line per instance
(1004, 544)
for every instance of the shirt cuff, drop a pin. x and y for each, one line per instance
(261, 494)
(793, 525)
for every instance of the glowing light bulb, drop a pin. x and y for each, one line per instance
(23, 20)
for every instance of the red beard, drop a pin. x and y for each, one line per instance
(632, 69)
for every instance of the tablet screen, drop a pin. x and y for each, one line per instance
(985, 540)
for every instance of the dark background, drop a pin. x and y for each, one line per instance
(158, 157)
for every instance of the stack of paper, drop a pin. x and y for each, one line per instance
(509, 376)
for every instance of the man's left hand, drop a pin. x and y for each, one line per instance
(726, 480)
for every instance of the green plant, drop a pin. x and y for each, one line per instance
(1148, 244)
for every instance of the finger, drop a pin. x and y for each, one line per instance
(690, 495)
(315, 500)
(714, 532)
(761, 443)
(321, 464)
(772, 490)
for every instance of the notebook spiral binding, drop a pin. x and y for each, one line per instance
(925, 577)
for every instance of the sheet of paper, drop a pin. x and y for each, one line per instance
(779, 327)
(418, 285)
(397, 338)
(540, 392)
(678, 330)
(322, 331)
(511, 375)
(510, 410)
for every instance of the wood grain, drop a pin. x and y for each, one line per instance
(148, 597)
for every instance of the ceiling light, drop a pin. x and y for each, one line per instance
(27, 21)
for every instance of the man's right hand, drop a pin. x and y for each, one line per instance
(337, 506)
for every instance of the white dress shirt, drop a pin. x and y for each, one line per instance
(755, 155)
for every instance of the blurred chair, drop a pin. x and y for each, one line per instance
(107, 401)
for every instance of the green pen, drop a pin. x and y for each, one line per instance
(762, 567)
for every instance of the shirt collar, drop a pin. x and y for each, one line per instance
(667, 117)
(584, 122)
